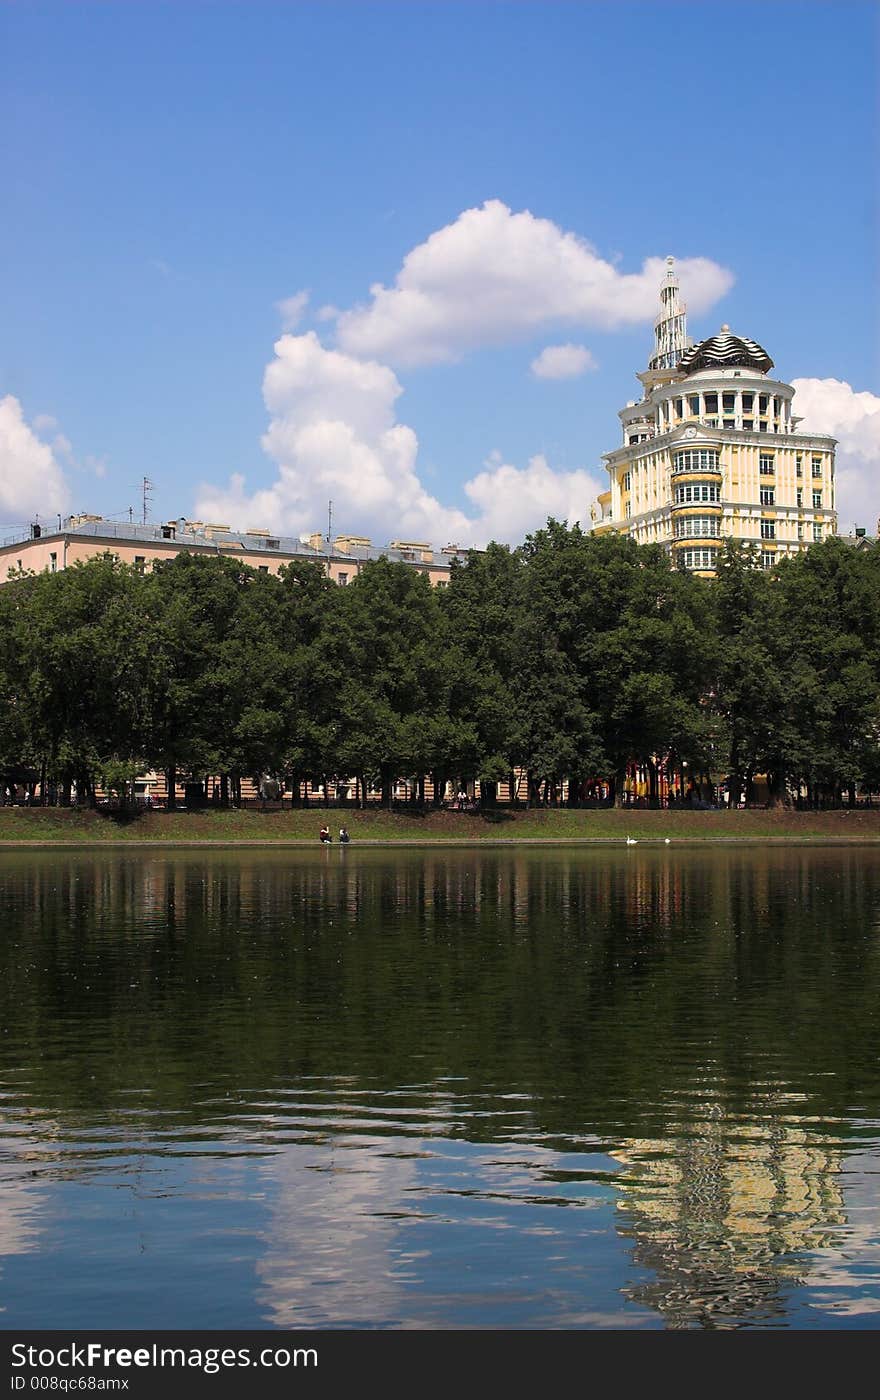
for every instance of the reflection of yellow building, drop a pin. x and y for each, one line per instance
(721, 1210)
(712, 451)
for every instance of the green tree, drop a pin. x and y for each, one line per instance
(391, 669)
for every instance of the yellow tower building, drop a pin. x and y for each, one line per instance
(711, 452)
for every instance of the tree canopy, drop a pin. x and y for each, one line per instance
(564, 660)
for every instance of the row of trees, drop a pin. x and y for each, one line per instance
(567, 658)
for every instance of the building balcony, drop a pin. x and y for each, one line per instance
(696, 461)
(687, 541)
(696, 507)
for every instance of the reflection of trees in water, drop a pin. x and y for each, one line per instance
(588, 979)
(720, 1210)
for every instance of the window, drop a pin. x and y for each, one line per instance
(748, 402)
(800, 529)
(627, 510)
(762, 403)
(627, 481)
(816, 466)
(799, 464)
(442, 583)
(729, 423)
(767, 559)
(694, 405)
(728, 402)
(748, 424)
(768, 495)
(679, 407)
(53, 563)
(263, 568)
(343, 579)
(817, 533)
(698, 558)
(767, 463)
(696, 460)
(817, 500)
(711, 403)
(696, 491)
(768, 529)
(696, 527)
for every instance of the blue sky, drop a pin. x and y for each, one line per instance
(175, 171)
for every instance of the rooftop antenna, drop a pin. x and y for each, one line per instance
(147, 487)
(329, 522)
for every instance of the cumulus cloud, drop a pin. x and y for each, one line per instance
(334, 435)
(513, 501)
(562, 362)
(833, 407)
(292, 309)
(31, 481)
(494, 276)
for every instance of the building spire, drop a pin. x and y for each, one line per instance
(670, 327)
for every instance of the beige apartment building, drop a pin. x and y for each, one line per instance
(712, 451)
(81, 537)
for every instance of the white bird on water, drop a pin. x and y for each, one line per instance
(630, 841)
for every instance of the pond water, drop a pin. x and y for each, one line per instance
(491, 1088)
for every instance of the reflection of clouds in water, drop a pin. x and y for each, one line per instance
(384, 1230)
(334, 1207)
(23, 1206)
(722, 1210)
(20, 1209)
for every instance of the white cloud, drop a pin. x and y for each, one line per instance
(334, 436)
(833, 407)
(493, 276)
(562, 362)
(513, 501)
(31, 481)
(61, 446)
(292, 309)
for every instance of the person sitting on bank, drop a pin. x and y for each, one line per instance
(344, 836)
(324, 834)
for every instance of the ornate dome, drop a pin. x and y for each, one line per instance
(724, 350)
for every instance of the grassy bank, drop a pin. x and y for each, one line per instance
(36, 826)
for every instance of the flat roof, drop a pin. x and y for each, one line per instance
(212, 539)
